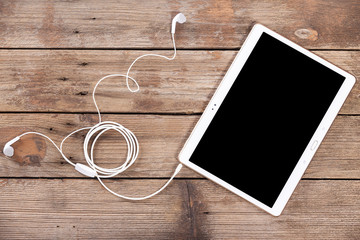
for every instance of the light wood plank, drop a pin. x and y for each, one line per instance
(187, 209)
(161, 138)
(63, 80)
(213, 24)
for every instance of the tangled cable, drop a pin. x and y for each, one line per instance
(93, 134)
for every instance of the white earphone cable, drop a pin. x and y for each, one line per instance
(94, 132)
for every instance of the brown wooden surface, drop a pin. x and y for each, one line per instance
(53, 52)
(184, 85)
(189, 209)
(215, 24)
(161, 138)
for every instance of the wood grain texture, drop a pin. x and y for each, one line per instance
(63, 80)
(161, 138)
(188, 209)
(52, 53)
(215, 24)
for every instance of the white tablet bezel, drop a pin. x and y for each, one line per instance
(220, 95)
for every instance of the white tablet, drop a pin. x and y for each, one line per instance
(267, 118)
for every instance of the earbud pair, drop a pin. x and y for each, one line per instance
(92, 170)
(8, 150)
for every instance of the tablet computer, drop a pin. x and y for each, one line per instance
(267, 118)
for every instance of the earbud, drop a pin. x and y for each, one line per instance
(8, 149)
(180, 18)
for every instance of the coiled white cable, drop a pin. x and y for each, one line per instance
(94, 132)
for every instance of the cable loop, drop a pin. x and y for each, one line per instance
(132, 148)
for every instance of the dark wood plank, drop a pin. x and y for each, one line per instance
(63, 80)
(161, 139)
(212, 24)
(187, 209)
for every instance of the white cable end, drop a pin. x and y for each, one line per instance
(85, 170)
(178, 168)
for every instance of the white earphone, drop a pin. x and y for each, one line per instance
(94, 132)
(8, 149)
(179, 18)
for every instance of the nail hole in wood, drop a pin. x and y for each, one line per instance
(63, 79)
(82, 93)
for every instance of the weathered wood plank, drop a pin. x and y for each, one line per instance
(63, 80)
(317, 208)
(161, 138)
(73, 209)
(187, 209)
(146, 24)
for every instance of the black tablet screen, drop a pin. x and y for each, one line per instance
(267, 119)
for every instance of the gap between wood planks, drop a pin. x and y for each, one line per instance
(165, 178)
(169, 49)
(109, 113)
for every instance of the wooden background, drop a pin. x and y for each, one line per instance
(53, 52)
